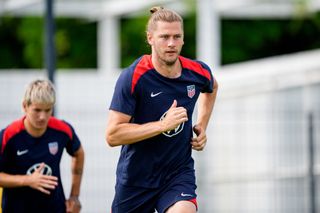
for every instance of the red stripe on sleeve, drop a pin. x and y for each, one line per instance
(57, 124)
(142, 67)
(13, 129)
(194, 66)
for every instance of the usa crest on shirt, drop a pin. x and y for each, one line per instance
(53, 147)
(191, 90)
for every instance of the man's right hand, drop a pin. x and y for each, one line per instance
(174, 117)
(41, 182)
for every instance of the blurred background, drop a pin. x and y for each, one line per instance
(263, 149)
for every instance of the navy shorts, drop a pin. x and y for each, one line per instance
(132, 199)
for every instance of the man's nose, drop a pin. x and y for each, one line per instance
(171, 42)
(42, 115)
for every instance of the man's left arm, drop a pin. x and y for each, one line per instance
(205, 106)
(73, 204)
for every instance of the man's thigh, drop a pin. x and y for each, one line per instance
(181, 188)
(183, 206)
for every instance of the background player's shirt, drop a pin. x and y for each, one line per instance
(146, 95)
(20, 153)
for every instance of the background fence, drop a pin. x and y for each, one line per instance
(258, 155)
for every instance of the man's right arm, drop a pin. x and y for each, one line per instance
(121, 132)
(10, 181)
(36, 180)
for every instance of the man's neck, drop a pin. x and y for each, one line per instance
(169, 71)
(33, 131)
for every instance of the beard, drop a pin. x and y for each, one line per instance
(169, 61)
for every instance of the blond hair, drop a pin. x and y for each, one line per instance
(162, 14)
(40, 91)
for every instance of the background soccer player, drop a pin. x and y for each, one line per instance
(151, 117)
(30, 153)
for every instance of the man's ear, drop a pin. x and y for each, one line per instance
(149, 38)
(24, 106)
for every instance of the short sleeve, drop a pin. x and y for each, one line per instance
(74, 143)
(1, 154)
(208, 86)
(4, 159)
(123, 99)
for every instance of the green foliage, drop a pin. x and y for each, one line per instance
(76, 43)
(133, 39)
(22, 43)
(8, 43)
(244, 40)
(189, 48)
(22, 40)
(30, 33)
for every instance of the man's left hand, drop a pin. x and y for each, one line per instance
(73, 205)
(198, 143)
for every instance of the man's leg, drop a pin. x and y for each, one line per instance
(178, 195)
(182, 206)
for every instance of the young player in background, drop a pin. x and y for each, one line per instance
(30, 153)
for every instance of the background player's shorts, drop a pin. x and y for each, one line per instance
(131, 199)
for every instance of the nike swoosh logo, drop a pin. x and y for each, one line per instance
(155, 94)
(22, 152)
(185, 195)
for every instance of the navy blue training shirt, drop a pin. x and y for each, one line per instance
(146, 95)
(20, 153)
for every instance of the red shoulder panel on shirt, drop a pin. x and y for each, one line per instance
(13, 129)
(142, 67)
(194, 66)
(57, 124)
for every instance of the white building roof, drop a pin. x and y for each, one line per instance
(97, 8)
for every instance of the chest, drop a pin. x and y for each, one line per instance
(161, 96)
(25, 151)
(156, 94)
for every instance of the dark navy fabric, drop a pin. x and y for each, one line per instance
(146, 95)
(133, 199)
(20, 153)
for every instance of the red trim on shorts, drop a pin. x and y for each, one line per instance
(194, 201)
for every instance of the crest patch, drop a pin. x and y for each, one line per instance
(191, 90)
(53, 147)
